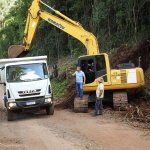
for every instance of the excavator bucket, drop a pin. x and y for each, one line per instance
(15, 51)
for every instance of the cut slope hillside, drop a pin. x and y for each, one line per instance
(124, 54)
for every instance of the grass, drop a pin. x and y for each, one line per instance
(59, 84)
(58, 87)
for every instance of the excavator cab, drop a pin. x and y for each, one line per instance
(94, 66)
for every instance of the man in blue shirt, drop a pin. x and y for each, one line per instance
(80, 80)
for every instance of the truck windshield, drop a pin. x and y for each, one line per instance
(26, 72)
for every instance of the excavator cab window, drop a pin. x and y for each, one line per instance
(93, 67)
(88, 67)
(101, 67)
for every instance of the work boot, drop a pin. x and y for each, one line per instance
(94, 115)
(100, 113)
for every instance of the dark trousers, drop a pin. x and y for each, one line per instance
(98, 106)
(5, 100)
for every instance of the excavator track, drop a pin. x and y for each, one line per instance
(81, 105)
(120, 99)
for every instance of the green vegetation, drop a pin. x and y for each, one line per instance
(58, 87)
(113, 22)
(59, 84)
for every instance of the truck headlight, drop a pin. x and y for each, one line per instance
(12, 104)
(49, 100)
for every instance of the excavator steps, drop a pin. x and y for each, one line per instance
(81, 105)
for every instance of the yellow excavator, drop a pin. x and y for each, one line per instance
(94, 64)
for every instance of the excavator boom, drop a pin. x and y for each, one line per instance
(61, 21)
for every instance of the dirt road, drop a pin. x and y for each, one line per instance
(66, 130)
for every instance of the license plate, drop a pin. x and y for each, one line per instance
(30, 103)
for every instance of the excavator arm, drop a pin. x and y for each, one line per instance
(60, 21)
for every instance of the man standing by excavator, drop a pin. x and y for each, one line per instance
(80, 80)
(99, 97)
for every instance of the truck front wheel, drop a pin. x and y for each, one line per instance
(50, 110)
(9, 115)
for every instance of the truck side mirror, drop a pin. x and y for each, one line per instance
(55, 73)
(54, 66)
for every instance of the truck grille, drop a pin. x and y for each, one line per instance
(29, 92)
(28, 99)
(123, 76)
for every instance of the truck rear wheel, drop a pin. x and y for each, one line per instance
(50, 110)
(9, 115)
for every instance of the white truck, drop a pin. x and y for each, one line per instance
(26, 85)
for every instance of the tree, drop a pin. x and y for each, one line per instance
(113, 22)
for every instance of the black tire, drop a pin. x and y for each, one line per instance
(9, 115)
(50, 110)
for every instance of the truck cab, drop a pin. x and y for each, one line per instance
(26, 85)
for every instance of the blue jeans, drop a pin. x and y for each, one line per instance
(98, 106)
(79, 88)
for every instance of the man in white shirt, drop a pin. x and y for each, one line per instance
(99, 97)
